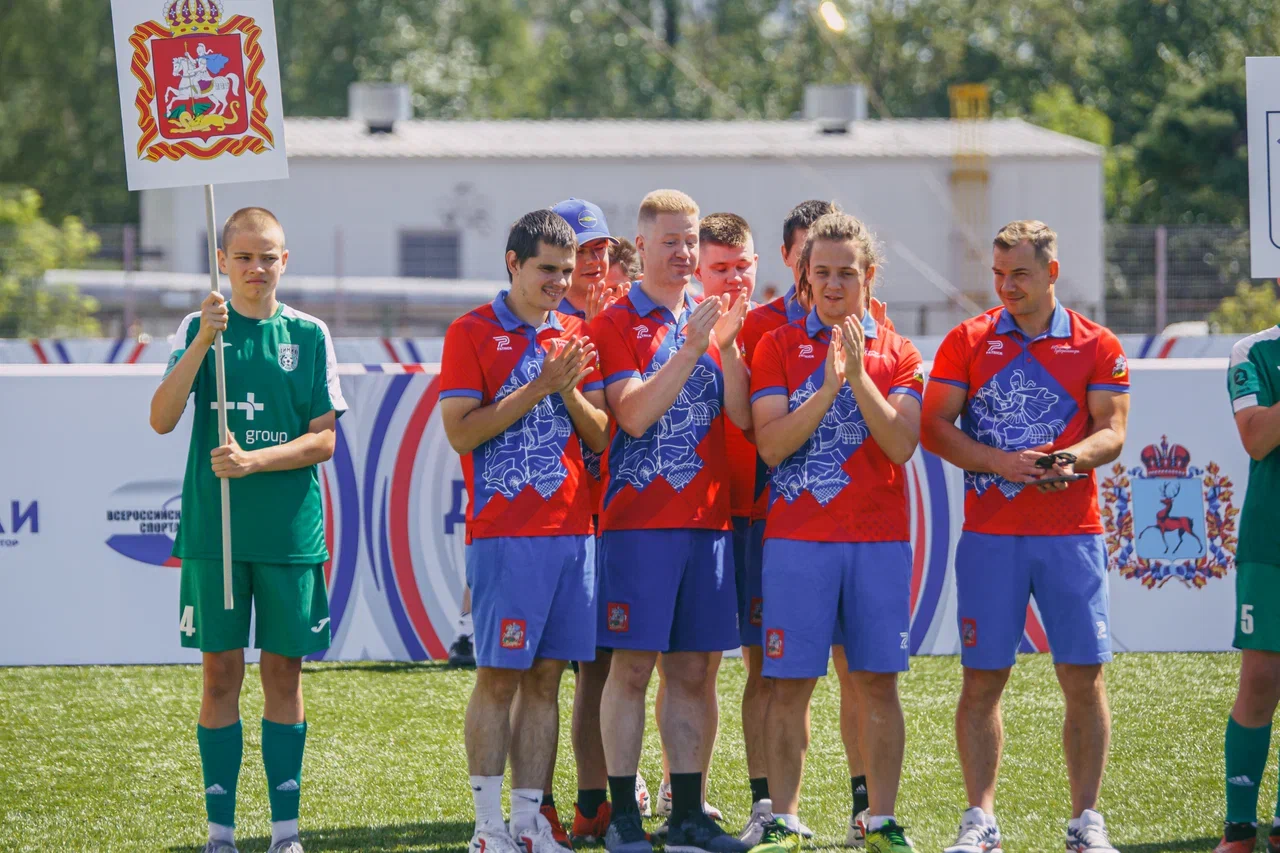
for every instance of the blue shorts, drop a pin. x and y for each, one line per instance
(748, 542)
(532, 597)
(860, 591)
(668, 591)
(995, 579)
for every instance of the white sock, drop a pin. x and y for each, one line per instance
(1275, 822)
(525, 803)
(282, 829)
(792, 821)
(1080, 822)
(465, 625)
(978, 816)
(218, 832)
(487, 792)
(876, 821)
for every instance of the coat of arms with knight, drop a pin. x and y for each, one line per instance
(1167, 519)
(199, 94)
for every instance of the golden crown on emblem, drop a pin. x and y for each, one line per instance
(193, 16)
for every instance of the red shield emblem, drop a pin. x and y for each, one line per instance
(200, 86)
(619, 617)
(198, 89)
(774, 643)
(511, 634)
(969, 632)
(756, 614)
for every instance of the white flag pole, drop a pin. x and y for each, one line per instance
(228, 601)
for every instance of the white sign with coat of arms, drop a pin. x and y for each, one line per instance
(199, 91)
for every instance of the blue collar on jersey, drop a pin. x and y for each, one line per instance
(1059, 324)
(645, 306)
(791, 301)
(566, 307)
(813, 326)
(511, 322)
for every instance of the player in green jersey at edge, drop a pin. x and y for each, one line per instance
(283, 400)
(1253, 382)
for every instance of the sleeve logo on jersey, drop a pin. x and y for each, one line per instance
(619, 617)
(1121, 368)
(774, 643)
(1168, 519)
(511, 634)
(288, 357)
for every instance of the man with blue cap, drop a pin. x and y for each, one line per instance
(588, 293)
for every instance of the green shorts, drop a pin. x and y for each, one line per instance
(1257, 607)
(290, 602)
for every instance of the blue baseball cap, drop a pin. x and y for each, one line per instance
(586, 219)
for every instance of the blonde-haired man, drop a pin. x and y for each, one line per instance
(672, 373)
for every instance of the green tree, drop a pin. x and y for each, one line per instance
(30, 245)
(1251, 309)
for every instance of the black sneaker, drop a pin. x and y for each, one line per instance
(461, 653)
(626, 834)
(698, 833)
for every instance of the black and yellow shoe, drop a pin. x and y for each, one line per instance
(778, 838)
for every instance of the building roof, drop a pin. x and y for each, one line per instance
(629, 139)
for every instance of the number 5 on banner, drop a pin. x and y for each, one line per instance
(199, 97)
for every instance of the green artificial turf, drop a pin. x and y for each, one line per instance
(104, 758)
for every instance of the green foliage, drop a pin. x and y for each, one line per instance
(30, 245)
(1159, 83)
(1251, 309)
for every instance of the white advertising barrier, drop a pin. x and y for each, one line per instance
(428, 350)
(89, 500)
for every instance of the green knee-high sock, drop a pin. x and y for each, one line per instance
(1246, 758)
(220, 754)
(282, 747)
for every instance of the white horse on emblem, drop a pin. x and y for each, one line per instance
(192, 73)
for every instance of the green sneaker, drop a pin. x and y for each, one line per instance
(778, 838)
(889, 838)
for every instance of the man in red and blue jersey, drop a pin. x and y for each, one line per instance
(1041, 393)
(836, 407)
(518, 388)
(791, 306)
(672, 374)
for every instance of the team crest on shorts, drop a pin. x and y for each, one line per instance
(511, 634)
(1168, 519)
(199, 95)
(288, 357)
(755, 615)
(774, 643)
(619, 617)
(969, 632)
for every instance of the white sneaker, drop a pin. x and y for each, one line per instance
(292, 844)
(978, 833)
(761, 813)
(219, 847)
(857, 834)
(664, 799)
(644, 802)
(493, 839)
(1088, 834)
(538, 838)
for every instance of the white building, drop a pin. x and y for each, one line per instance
(435, 198)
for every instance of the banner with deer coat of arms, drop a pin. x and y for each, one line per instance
(199, 91)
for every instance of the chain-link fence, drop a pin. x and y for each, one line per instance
(1158, 274)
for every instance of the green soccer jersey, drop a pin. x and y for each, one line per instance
(1253, 379)
(281, 374)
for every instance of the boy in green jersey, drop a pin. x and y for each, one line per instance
(1253, 382)
(283, 401)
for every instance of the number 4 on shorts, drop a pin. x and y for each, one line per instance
(188, 623)
(1246, 618)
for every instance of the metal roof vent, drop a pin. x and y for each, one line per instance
(835, 108)
(379, 105)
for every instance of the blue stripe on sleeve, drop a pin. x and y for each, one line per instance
(621, 375)
(461, 392)
(769, 392)
(964, 385)
(909, 391)
(594, 386)
(1121, 389)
